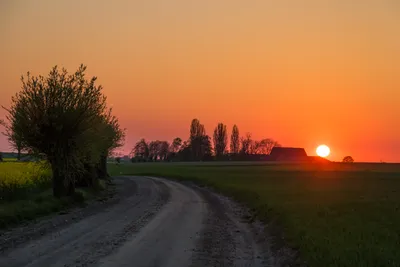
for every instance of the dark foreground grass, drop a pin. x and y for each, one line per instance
(35, 206)
(40, 204)
(334, 215)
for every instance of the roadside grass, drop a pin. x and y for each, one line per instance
(26, 193)
(333, 214)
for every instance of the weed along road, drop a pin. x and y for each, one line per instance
(154, 222)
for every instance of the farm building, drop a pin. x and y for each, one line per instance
(288, 154)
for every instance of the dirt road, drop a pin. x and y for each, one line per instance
(155, 222)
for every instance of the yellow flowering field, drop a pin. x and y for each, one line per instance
(17, 179)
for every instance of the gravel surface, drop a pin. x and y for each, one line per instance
(150, 222)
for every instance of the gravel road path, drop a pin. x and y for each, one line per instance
(154, 223)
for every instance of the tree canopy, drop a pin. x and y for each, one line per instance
(348, 159)
(64, 117)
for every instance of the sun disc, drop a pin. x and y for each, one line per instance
(323, 151)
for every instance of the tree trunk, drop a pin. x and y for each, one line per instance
(19, 154)
(70, 188)
(91, 173)
(102, 167)
(61, 187)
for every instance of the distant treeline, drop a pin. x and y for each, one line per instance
(201, 147)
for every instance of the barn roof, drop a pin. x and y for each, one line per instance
(288, 154)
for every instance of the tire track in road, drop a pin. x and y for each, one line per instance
(170, 238)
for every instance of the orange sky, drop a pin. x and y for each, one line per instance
(302, 73)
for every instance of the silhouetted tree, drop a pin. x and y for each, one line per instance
(246, 144)
(235, 140)
(163, 150)
(176, 145)
(174, 149)
(141, 149)
(265, 146)
(348, 159)
(13, 138)
(198, 140)
(256, 147)
(185, 152)
(1, 157)
(205, 148)
(154, 150)
(60, 116)
(196, 129)
(253, 147)
(220, 139)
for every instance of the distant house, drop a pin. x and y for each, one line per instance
(288, 154)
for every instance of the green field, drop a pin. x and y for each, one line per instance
(333, 214)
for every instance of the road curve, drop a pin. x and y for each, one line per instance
(162, 223)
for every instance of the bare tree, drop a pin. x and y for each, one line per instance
(13, 138)
(256, 147)
(220, 139)
(164, 150)
(154, 150)
(176, 145)
(235, 140)
(265, 146)
(247, 144)
(141, 149)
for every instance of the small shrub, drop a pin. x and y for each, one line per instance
(348, 159)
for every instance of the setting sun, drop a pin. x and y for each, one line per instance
(323, 151)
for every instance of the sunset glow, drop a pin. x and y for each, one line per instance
(300, 72)
(323, 151)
